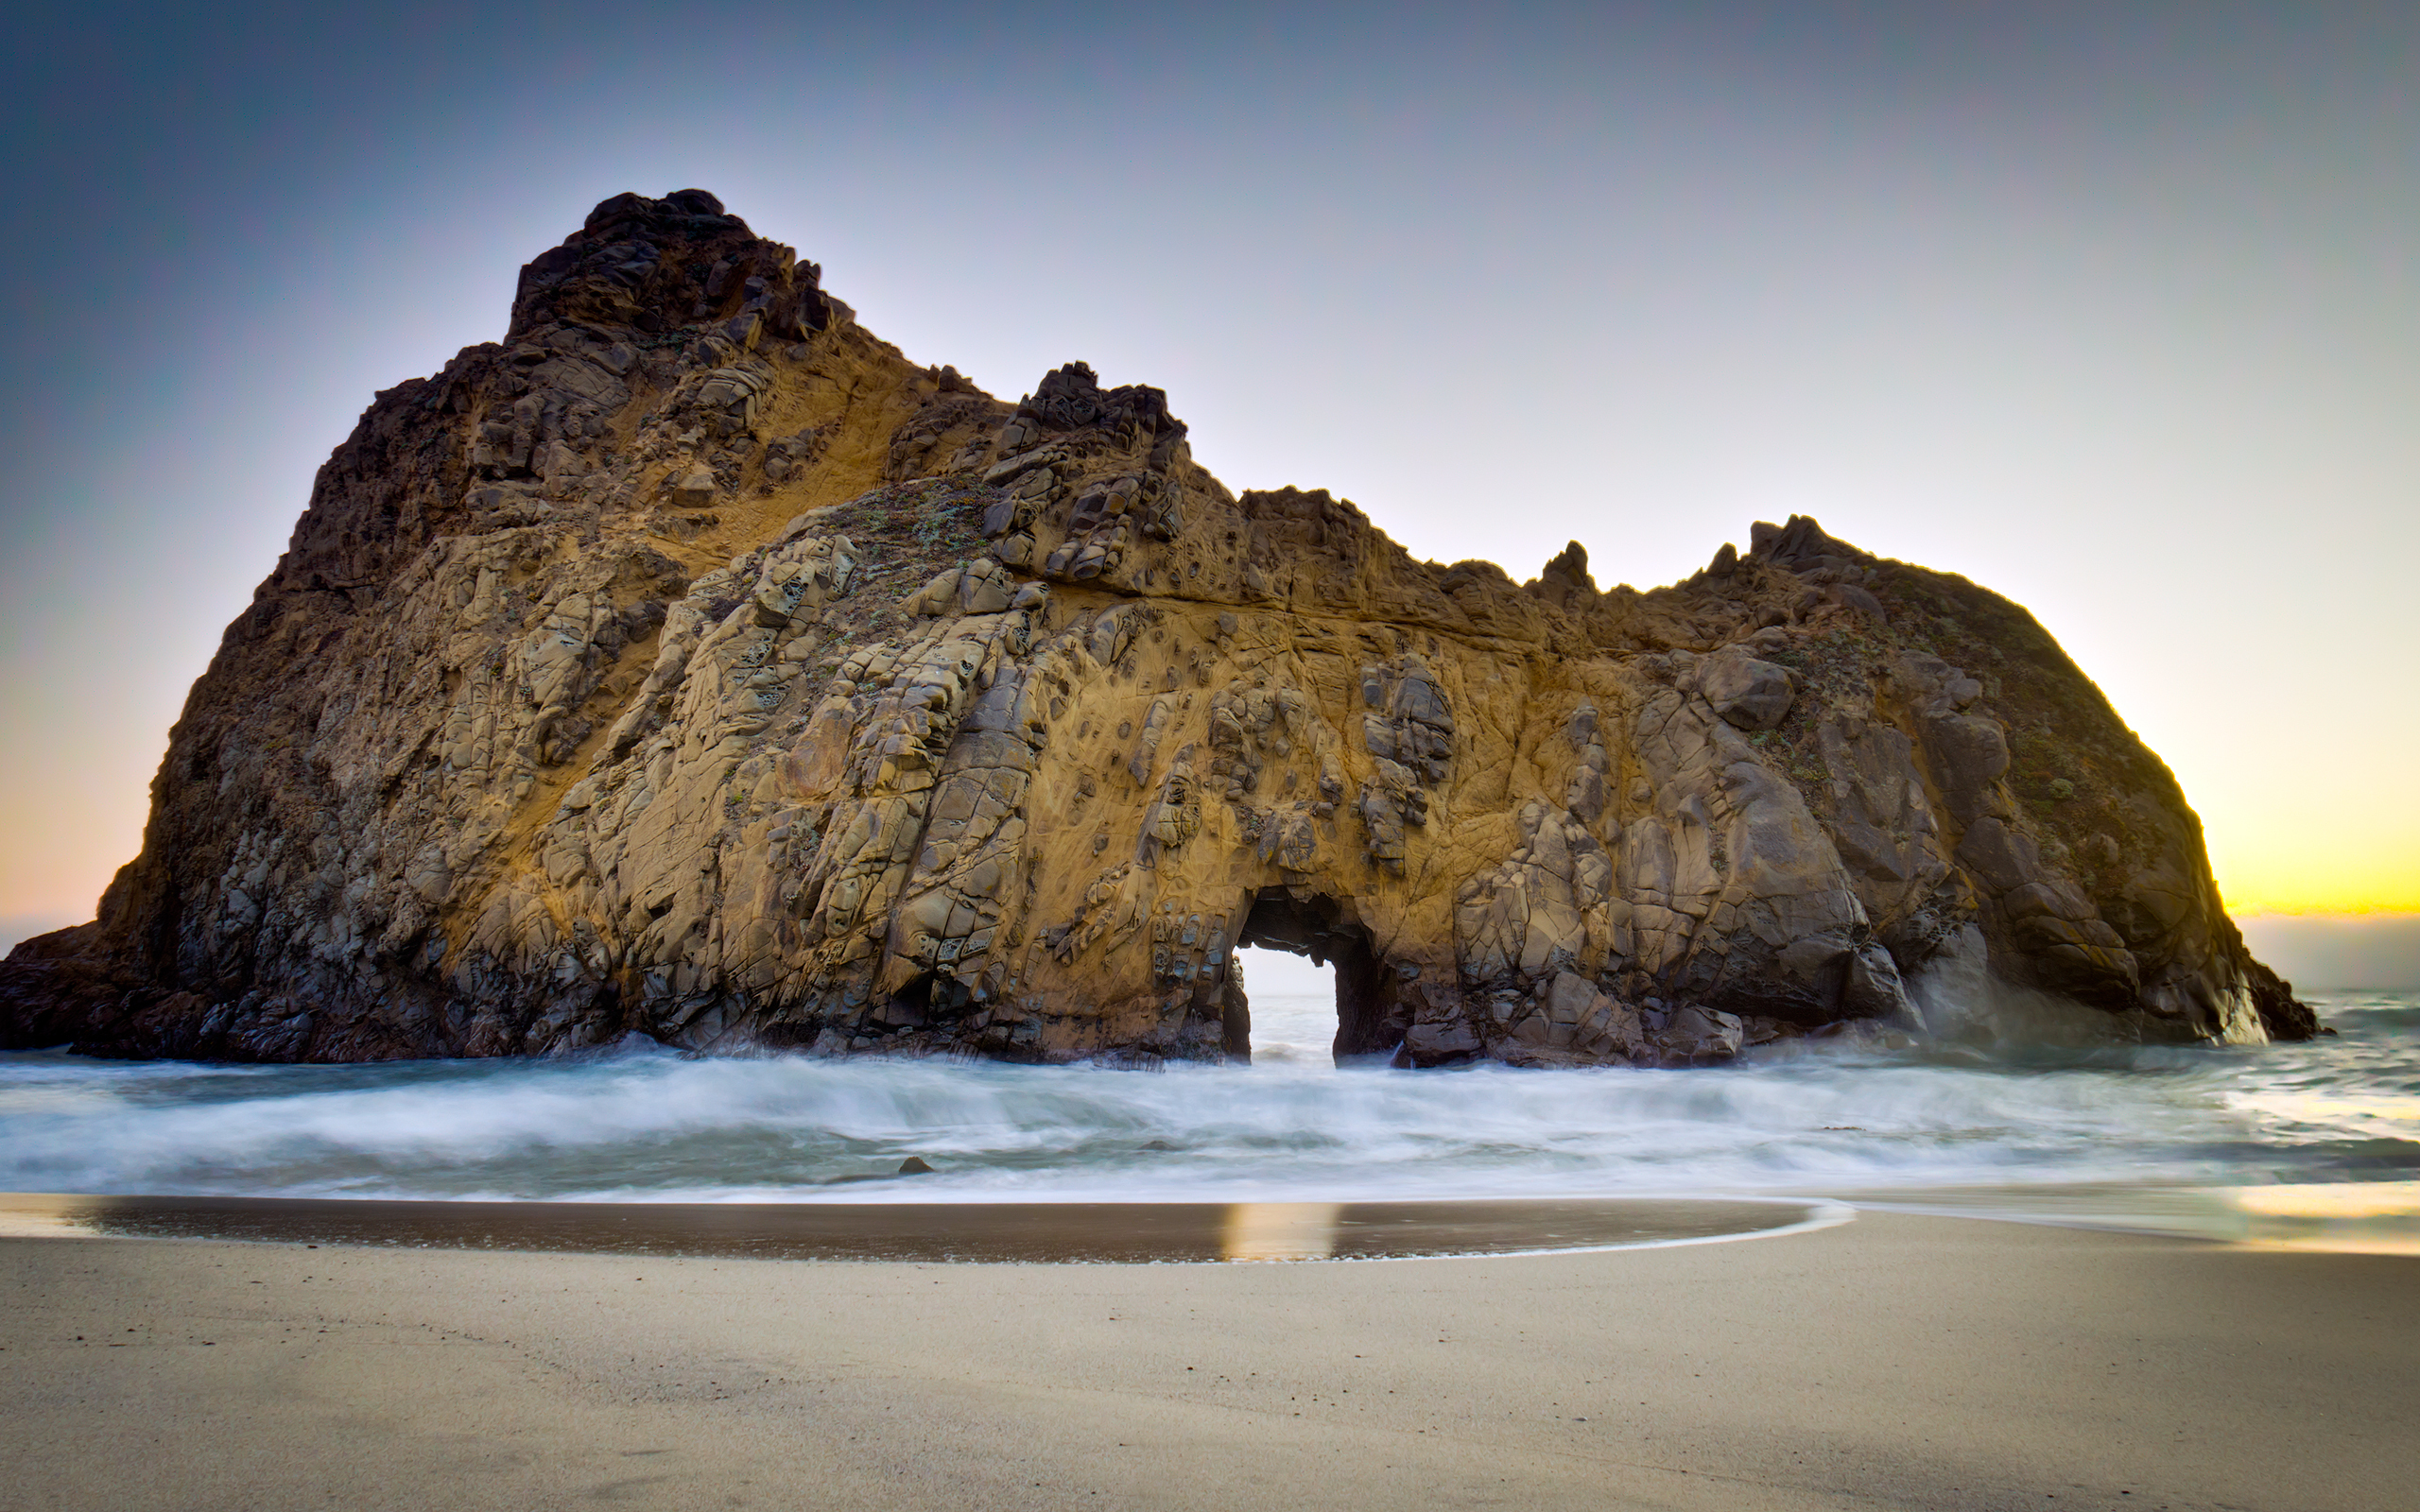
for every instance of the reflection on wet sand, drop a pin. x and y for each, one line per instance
(976, 1232)
(2347, 1217)
(2359, 1217)
(1280, 1230)
(42, 1217)
(2355, 1217)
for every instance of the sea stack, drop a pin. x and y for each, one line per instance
(691, 664)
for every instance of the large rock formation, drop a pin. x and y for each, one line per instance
(691, 664)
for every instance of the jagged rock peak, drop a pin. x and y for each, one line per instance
(656, 265)
(1802, 545)
(694, 206)
(1071, 398)
(1565, 577)
(694, 665)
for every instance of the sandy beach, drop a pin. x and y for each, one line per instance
(1891, 1361)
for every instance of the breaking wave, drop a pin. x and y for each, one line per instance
(645, 1123)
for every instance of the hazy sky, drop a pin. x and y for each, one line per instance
(2111, 307)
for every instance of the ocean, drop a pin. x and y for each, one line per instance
(2297, 1142)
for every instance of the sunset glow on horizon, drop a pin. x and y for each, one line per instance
(2109, 313)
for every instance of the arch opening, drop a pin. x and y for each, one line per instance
(1369, 1016)
(1292, 1012)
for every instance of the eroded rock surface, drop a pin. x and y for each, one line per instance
(692, 664)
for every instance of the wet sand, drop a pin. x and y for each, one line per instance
(980, 1233)
(1897, 1360)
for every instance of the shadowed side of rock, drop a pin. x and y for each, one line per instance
(692, 664)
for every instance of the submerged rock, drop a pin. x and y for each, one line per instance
(691, 664)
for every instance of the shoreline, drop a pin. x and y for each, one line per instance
(1896, 1360)
(2344, 1217)
(969, 1232)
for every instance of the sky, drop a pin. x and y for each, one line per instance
(2110, 307)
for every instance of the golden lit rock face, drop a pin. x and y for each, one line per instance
(691, 664)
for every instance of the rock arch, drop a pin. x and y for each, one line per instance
(696, 666)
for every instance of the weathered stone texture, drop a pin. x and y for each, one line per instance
(691, 664)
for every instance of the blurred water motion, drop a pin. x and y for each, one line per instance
(2162, 1140)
